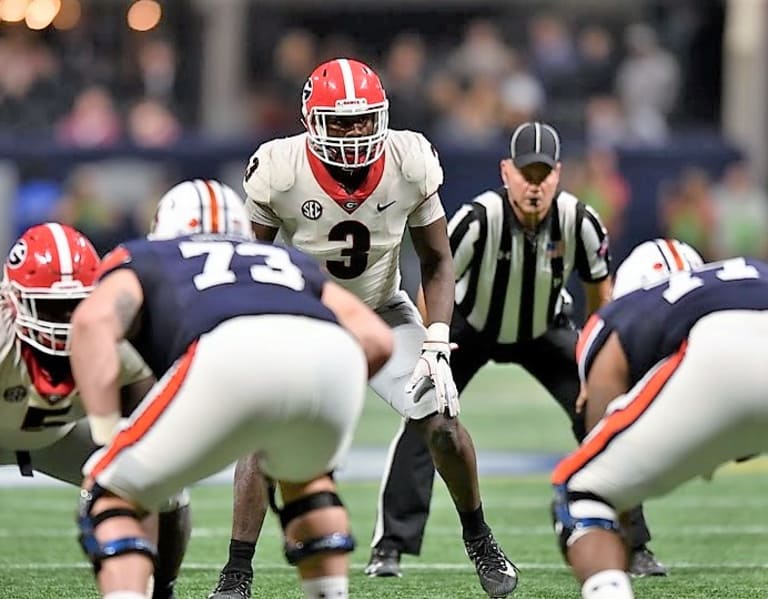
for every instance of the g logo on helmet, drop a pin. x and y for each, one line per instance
(307, 91)
(18, 254)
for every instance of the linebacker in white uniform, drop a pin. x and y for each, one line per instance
(50, 268)
(344, 192)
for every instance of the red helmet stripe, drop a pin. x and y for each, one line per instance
(64, 254)
(213, 207)
(679, 263)
(348, 77)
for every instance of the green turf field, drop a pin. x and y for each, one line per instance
(713, 535)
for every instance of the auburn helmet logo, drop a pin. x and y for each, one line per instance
(18, 254)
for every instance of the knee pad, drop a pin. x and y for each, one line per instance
(337, 542)
(575, 513)
(87, 524)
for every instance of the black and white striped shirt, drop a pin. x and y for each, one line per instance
(509, 282)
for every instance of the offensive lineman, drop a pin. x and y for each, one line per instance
(344, 192)
(688, 349)
(51, 268)
(255, 349)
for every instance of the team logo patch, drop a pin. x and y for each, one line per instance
(307, 91)
(15, 394)
(18, 254)
(312, 209)
(555, 249)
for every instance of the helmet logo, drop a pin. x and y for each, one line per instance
(307, 91)
(312, 209)
(18, 254)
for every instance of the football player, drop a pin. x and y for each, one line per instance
(651, 262)
(48, 271)
(199, 206)
(254, 348)
(345, 191)
(673, 366)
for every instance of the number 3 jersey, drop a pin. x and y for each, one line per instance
(356, 236)
(37, 407)
(652, 323)
(191, 284)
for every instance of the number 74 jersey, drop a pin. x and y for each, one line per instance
(653, 322)
(356, 236)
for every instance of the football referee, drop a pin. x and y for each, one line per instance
(514, 249)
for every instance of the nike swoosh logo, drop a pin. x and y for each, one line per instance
(381, 208)
(509, 570)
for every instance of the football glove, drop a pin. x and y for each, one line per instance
(433, 371)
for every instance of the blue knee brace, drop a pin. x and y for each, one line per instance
(337, 542)
(574, 513)
(87, 523)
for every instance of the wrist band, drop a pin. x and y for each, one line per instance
(438, 332)
(103, 427)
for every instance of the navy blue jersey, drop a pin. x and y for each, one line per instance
(191, 284)
(652, 323)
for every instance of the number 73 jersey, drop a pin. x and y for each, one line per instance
(356, 236)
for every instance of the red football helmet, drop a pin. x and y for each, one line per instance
(50, 268)
(345, 91)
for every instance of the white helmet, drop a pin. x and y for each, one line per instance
(652, 262)
(200, 206)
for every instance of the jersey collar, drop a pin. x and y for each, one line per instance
(349, 202)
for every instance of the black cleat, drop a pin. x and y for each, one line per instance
(498, 575)
(642, 562)
(383, 563)
(233, 584)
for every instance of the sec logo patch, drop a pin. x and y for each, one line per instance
(18, 254)
(312, 209)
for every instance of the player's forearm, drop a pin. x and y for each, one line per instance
(439, 286)
(96, 365)
(597, 295)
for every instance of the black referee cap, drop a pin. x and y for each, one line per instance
(535, 142)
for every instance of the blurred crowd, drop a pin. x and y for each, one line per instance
(610, 87)
(65, 92)
(608, 84)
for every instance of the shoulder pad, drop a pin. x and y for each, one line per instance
(268, 170)
(421, 166)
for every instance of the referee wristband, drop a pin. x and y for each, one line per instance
(438, 332)
(103, 427)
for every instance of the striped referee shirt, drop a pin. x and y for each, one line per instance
(509, 281)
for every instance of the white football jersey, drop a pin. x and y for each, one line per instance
(29, 421)
(355, 236)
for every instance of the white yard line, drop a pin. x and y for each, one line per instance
(265, 566)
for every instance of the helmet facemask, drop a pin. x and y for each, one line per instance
(42, 315)
(348, 151)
